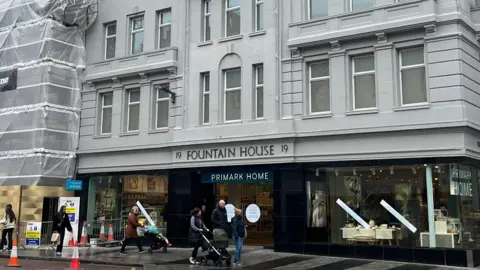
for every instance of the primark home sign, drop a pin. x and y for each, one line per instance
(235, 152)
(238, 176)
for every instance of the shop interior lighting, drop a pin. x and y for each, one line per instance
(373, 171)
(354, 171)
(391, 169)
(336, 172)
(317, 172)
(414, 170)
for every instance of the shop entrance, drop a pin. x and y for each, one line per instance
(241, 195)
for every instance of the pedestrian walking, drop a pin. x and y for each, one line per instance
(194, 236)
(60, 223)
(131, 231)
(238, 231)
(219, 218)
(8, 222)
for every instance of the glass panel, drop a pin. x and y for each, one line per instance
(206, 109)
(259, 102)
(207, 6)
(111, 29)
(320, 69)
(233, 105)
(162, 114)
(133, 117)
(259, 17)
(364, 63)
(233, 3)
(207, 28)
(361, 4)
(138, 24)
(234, 78)
(107, 99)
(413, 86)
(365, 91)
(162, 94)
(110, 53)
(412, 57)
(134, 96)
(107, 120)
(165, 32)
(318, 8)
(206, 81)
(137, 42)
(233, 23)
(260, 75)
(320, 96)
(166, 17)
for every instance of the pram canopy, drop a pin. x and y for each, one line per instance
(152, 229)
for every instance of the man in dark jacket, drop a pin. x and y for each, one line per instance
(219, 217)
(60, 223)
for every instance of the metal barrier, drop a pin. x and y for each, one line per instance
(94, 228)
(45, 233)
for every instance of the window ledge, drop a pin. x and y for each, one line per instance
(159, 130)
(420, 106)
(317, 115)
(129, 133)
(102, 136)
(365, 111)
(204, 43)
(258, 33)
(226, 39)
(233, 122)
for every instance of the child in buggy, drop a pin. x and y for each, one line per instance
(217, 251)
(156, 239)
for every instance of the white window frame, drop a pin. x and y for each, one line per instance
(258, 3)
(107, 37)
(206, 14)
(205, 94)
(103, 107)
(351, 6)
(227, 10)
(129, 103)
(360, 74)
(226, 90)
(401, 68)
(257, 86)
(161, 25)
(132, 31)
(316, 79)
(158, 100)
(309, 10)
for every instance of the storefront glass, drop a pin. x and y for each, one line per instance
(388, 205)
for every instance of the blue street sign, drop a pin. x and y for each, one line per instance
(74, 184)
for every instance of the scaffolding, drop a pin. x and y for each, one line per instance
(42, 57)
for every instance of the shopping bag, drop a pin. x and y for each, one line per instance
(55, 238)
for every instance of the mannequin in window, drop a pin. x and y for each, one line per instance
(319, 219)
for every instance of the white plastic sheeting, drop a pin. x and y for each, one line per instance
(41, 42)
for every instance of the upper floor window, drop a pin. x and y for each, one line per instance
(232, 94)
(259, 91)
(360, 4)
(232, 17)
(206, 19)
(258, 15)
(412, 76)
(364, 82)
(206, 97)
(317, 8)
(165, 29)
(319, 87)
(137, 35)
(106, 113)
(162, 107)
(110, 40)
(133, 110)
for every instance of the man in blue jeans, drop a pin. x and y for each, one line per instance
(238, 232)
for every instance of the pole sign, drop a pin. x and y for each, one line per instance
(33, 234)
(8, 80)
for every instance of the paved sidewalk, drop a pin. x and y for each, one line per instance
(253, 258)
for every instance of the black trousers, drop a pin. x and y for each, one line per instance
(195, 250)
(4, 240)
(60, 245)
(128, 241)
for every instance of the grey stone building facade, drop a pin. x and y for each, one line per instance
(359, 89)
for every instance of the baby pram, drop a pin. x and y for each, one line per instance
(156, 239)
(217, 250)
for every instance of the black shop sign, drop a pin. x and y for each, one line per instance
(8, 80)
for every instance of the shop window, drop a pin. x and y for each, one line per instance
(232, 94)
(412, 76)
(136, 35)
(363, 85)
(206, 20)
(164, 29)
(319, 87)
(317, 9)
(232, 18)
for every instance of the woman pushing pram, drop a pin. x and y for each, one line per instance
(156, 239)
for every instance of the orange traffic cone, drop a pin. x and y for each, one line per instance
(102, 231)
(75, 264)
(13, 262)
(110, 233)
(71, 243)
(84, 239)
